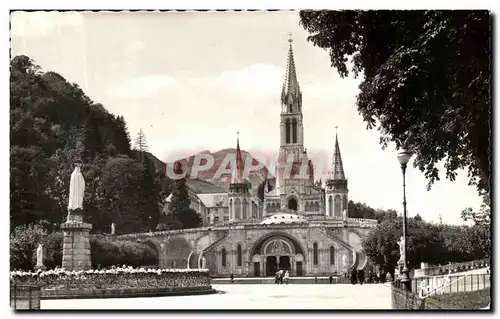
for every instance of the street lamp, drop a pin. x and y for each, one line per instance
(403, 158)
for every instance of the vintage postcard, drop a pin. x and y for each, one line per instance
(250, 160)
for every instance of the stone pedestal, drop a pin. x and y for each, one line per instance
(76, 243)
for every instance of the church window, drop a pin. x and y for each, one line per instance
(337, 205)
(237, 209)
(315, 254)
(316, 206)
(223, 255)
(287, 133)
(294, 131)
(330, 206)
(345, 206)
(216, 219)
(332, 255)
(244, 208)
(240, 261)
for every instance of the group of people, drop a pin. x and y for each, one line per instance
(358, 276)
(281, 276)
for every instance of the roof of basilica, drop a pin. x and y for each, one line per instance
(283, 218)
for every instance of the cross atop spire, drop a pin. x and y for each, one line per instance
(290, 40)
(336, 127)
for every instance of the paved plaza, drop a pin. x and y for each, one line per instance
(268, 296)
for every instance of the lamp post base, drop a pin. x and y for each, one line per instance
(406, 281)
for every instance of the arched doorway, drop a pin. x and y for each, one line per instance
(292, 204)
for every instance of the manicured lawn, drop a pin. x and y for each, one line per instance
(466, 300)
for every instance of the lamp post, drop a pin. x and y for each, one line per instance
(403, 158)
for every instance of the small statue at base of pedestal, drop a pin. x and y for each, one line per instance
(203, 263)
(39, 258)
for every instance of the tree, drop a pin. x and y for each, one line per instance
(141, 144)
(418, 218)
(121, 180)
(427, 81)
(477, 238)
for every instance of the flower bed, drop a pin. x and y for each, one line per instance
(124, 280)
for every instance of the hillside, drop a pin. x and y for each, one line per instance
(256, 177)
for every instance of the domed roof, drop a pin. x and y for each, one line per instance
(283, 218)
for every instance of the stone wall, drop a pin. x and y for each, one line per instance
(402, 299)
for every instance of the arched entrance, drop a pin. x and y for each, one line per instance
(292, 204)
(276, 250)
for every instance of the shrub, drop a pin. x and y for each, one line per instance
(23, 244)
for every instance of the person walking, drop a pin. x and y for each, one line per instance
(353, 276)
(277, 277)
(232, 278)
(282, 275)
(361, 276)
(331, 279)
(286, 277)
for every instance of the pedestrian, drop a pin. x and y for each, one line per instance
(315, 279)
(353, 276)
(361, 276)
(388, 277)
(232, 278)
(277, 277)
(287, 277)
(331, 279)
(282, 275)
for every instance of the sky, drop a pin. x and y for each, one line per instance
(191, 80)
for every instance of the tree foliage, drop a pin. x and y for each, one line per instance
(362, 210)
(53, 124)
(427, 81)
(180, 212)
(426, 242)
(24, 241)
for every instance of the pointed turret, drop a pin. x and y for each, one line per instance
(337, 172)
(239, 162)
(336, 185)
(291, 96)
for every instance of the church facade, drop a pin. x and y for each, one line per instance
(299, 226)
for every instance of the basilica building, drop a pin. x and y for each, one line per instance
(299, 225)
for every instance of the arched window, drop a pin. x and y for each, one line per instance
(315, 254)
(223, 253)
(287, 133)
(237, 209)
(240, 261)
(244, 208)
(337, 206)
(294, 131)
(332, 255)
(330, 206)
(231, 209)
(316, 207)
(345, 206)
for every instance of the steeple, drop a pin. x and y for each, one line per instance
(337, 172)
(291, 96)
(238, 177)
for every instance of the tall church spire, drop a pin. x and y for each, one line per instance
(291, 96)
(337, 172)
(239, 161)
